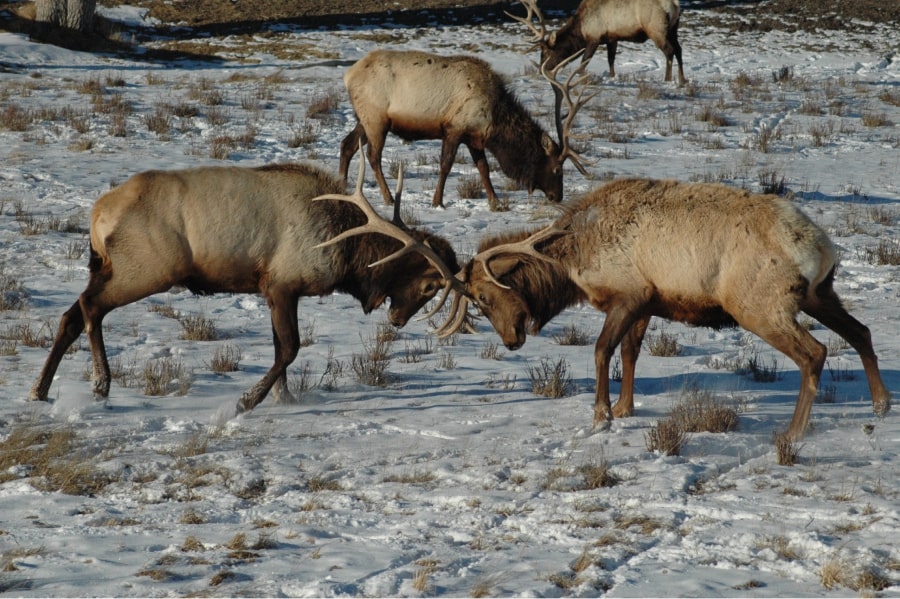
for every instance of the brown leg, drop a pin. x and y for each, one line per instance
(480, 160)
(787, 336)
(611, 57)
(354, 140)
(618, 321)
(287, 343)
(71, 326)
(448, 154)
(829, 311)
(374, 151)
(631, 347)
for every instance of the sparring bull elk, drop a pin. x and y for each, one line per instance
(460, 100)
(284, 231)
(703, 254)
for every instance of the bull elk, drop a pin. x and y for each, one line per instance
(607, 22)
(460, 100)
(246, 230)
(703, 254)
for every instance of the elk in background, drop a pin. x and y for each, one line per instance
(703, 254)
(246, 230)
(608, 22)
(460, 100)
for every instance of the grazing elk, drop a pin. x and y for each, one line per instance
(608, 22)
(246, 230)
(703, 254)
(460, 100)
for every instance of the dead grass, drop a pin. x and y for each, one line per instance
(54, 459)
(551, 378)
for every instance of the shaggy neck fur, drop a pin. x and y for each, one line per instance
(545, 286)
(372, 286)
(516, 140)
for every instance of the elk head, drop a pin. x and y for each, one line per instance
(509, 309)
(408, 295)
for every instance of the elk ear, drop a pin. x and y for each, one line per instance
(551, 40)
(502, 265)
(548, 144)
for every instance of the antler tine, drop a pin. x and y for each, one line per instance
(526, 246)
(397, 220)
(539, 29)
(459, 309)
(578, 78)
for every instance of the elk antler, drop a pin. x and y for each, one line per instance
(377, 224)
(563, 92)
(526, 247)
(460, 307)
(539, 29)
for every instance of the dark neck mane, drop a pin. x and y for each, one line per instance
(545, 286)
(516, 140)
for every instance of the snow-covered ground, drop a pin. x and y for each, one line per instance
(454, 479)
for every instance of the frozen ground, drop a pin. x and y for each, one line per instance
(454, 479)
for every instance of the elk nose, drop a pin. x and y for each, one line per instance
(513, 346)
(397, 320)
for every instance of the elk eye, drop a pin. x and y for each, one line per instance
(482, 299)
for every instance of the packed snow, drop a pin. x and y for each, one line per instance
(454, 478)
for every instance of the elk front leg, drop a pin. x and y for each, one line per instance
(286, 331)
(631, 348)
(481, 163)
(618, 321)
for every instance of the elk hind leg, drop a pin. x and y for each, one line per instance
(786, 335)
(374, 152)
(71, 325)
(827, 309)
(672, 39)
(349, 146)
(611, 57)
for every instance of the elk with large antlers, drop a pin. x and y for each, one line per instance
(608, 22)
(460, 100)
(247, 230)
(703, 254)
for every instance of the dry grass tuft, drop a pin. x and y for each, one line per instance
(573, 335)
(698, 410)
(166, 375)
(551, 379)
(54, 461)
(197, 328)
(666, 436)
(371, 366)
(226, 358)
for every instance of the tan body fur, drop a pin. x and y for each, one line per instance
(458, 99)
(702, 254)
(240, 230)
(609, 22)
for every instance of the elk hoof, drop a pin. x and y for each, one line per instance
(602, 426)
